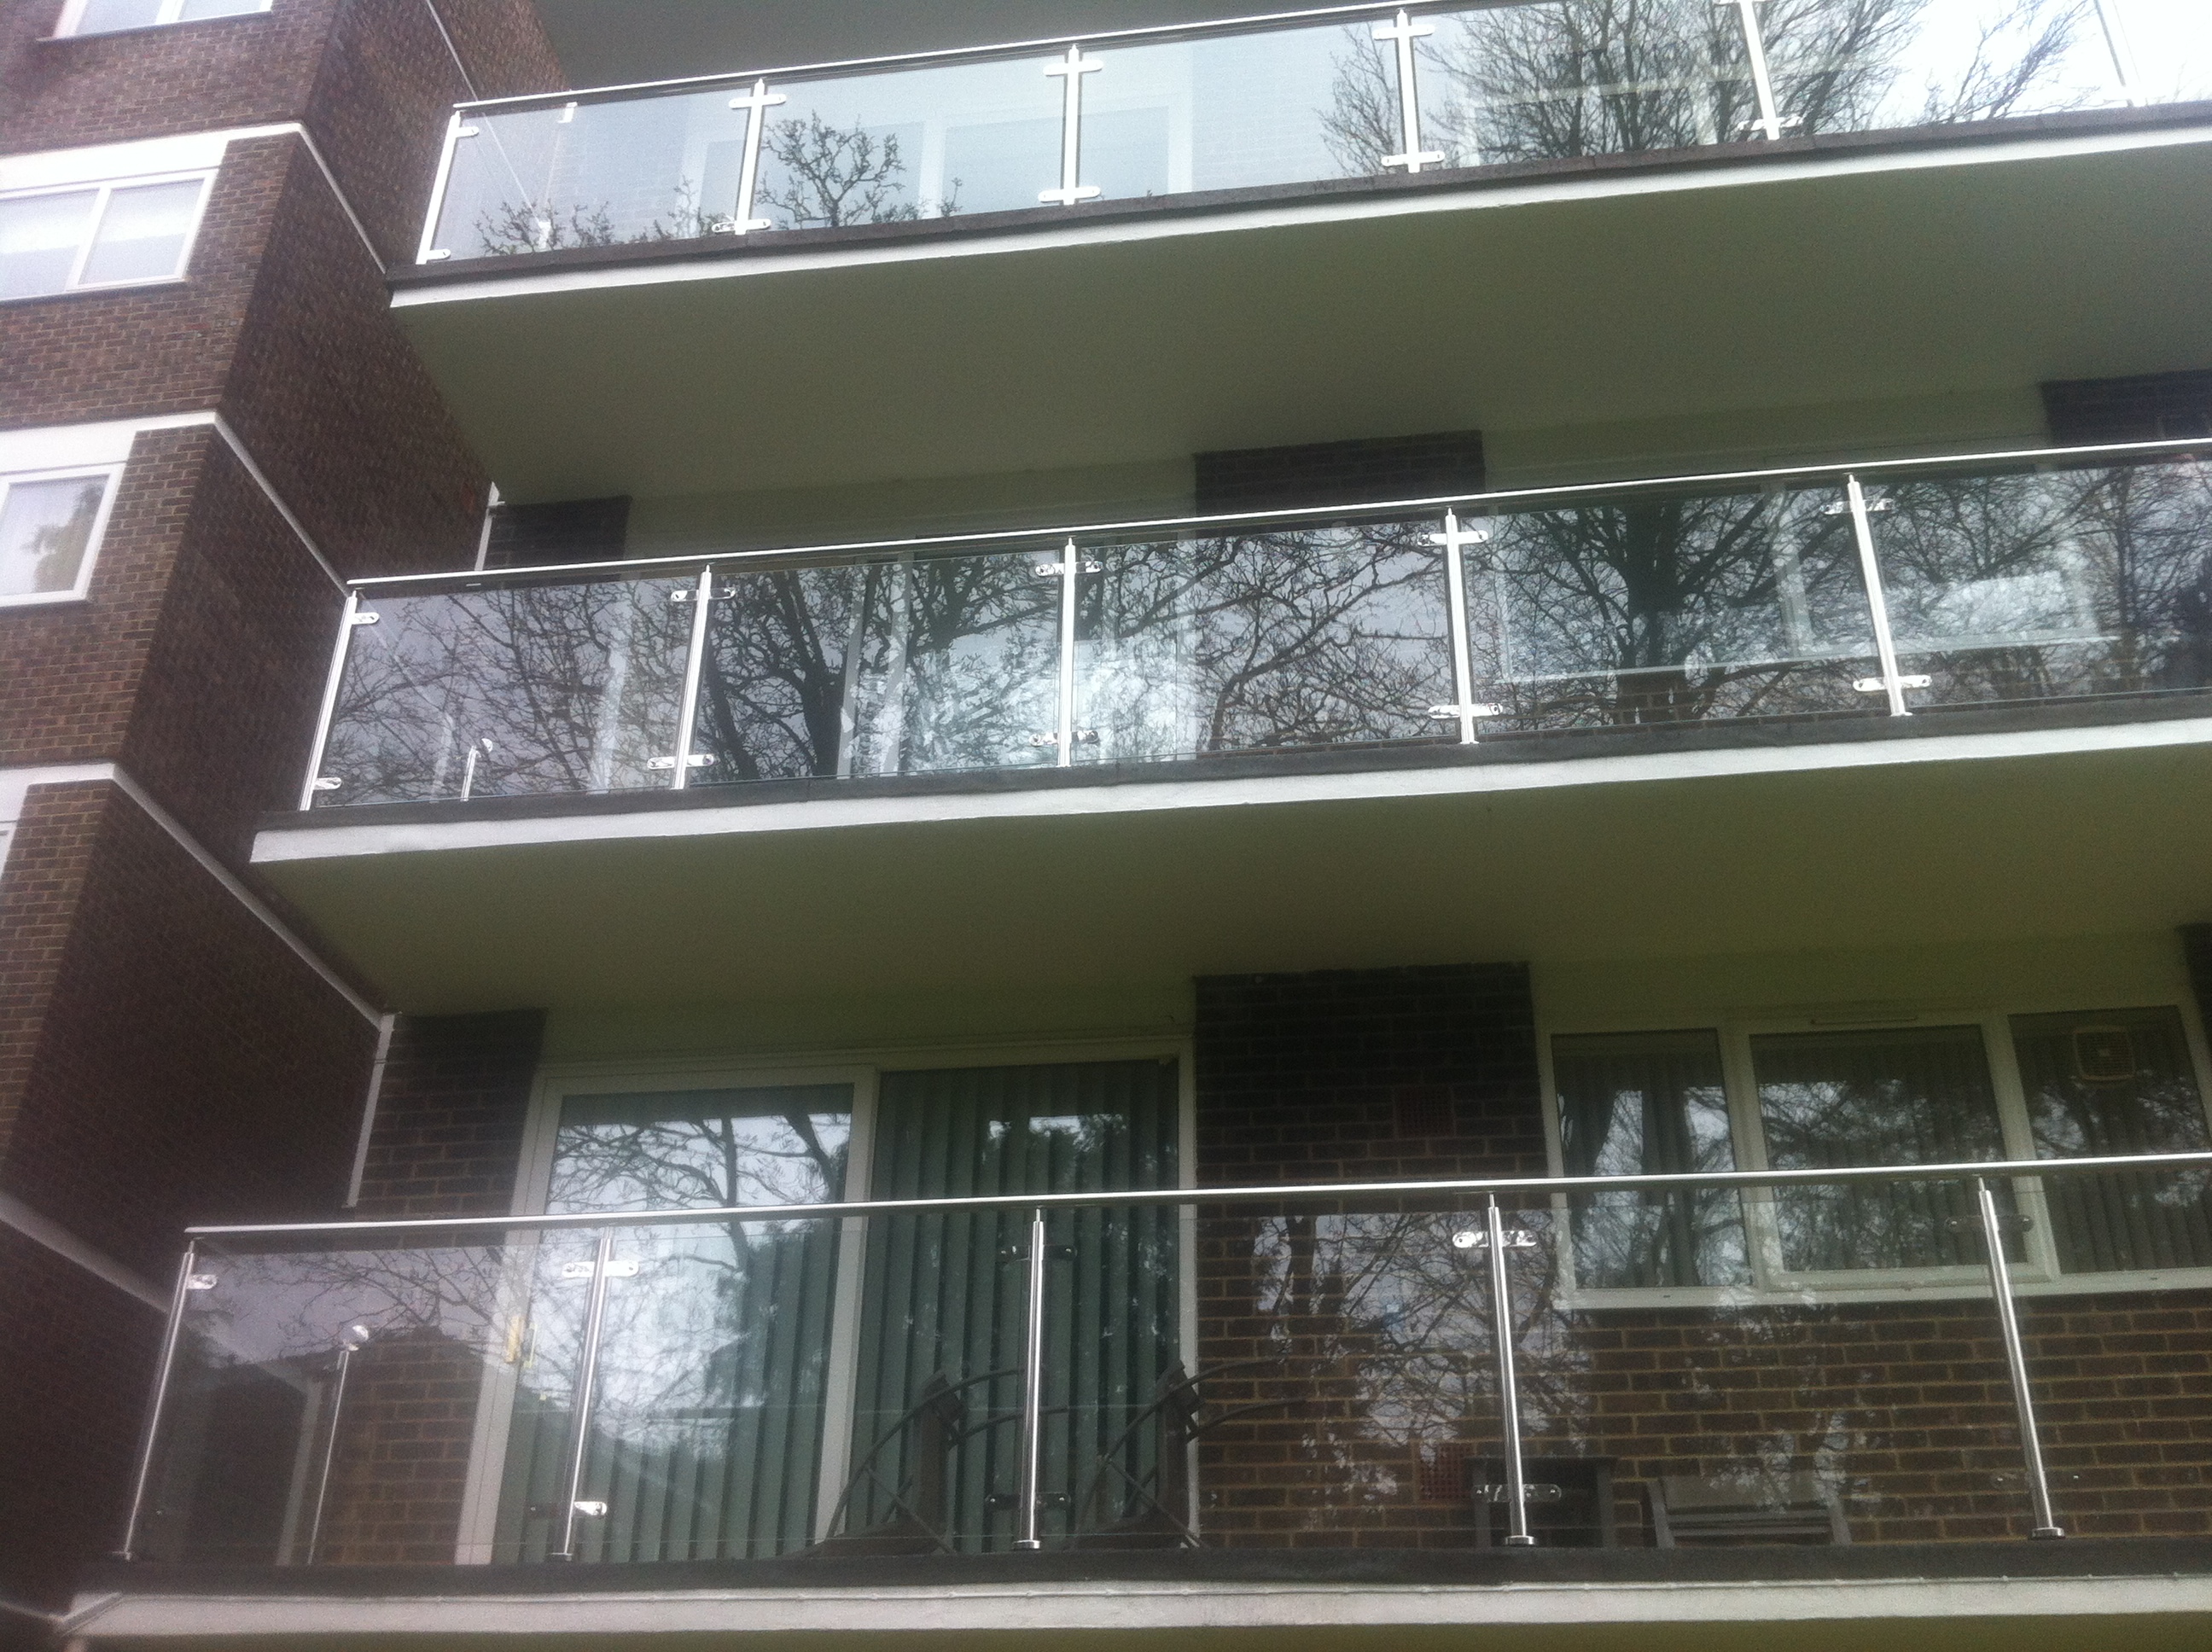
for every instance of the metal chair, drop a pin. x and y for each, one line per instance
(916, 1523)
(1161, 1520)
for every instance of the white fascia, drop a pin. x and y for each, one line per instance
(1310, 210)
(1486, 1615)
(833, 813)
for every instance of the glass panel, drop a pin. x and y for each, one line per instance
(142, 234)
(936, 1432)
(46, 528)
(1844, 66)
(2170, 42)
(595, 174)
(2101, 1084)
(707, 1429)
(1916, 1096)
(1541, 83)
(1282, 637)
(2058, 584)
(1668, 608)
(910, 143)
(1649, 1104)
(322, 1405)
(39, 235)
(959, 666)
(194, 11)
(524, 691)
(104, 16)
(783, 649)
(1240, 110)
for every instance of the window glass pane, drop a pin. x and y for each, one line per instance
(1916, 1096)
(2106, 1082)
(102, 16)
(2171, 46)
(1649, 1104)
(142, 234)
(195, 10)
(45, 529)
(39, 235)
(706, 1435)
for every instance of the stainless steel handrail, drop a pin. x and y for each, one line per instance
(864, 549)
(1270, 1193)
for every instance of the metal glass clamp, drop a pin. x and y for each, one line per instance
(1073, 67)
(1403, 31)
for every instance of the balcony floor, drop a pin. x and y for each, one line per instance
(2089, 1594)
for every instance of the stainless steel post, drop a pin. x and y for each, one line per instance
(347, 1346)
(587, 1383)
(162, 1364)
(1509, 1391)
(694, 661)
(348, 624)
(1033, 1390)
(1885, 641)
(2031, 1443)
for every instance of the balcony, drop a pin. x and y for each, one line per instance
(1670, 706)
(1926, 1363)
(1134, 247)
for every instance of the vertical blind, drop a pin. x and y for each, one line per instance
(945, 1295)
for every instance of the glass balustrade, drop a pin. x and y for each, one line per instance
(1819, 1357)
(2063, 576)
(1362, 92)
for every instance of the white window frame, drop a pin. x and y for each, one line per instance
(863, 1071)
(104, 189)
(172, 12)
(2036, 1272)
(111, 476)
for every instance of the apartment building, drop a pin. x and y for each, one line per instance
(1384, 822)
(208, 422)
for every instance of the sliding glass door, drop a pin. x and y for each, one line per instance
(936, 1433)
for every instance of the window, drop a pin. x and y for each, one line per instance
(50, 528)
(108, 17)
(97, 235)
(2088, 1084)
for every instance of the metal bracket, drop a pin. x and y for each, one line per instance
(1533, 1492)
(1403, 31)
(1083, 736)
(1452, 713)
(591, 1507)
(201, 1281)
(697, 760)
(1881, 685)
(2008, 1224)
(1476, 1239)
(1843, 507)
(1074, 67)
(327, 782)
(624, 1267)
(363, 616)
(466, 131)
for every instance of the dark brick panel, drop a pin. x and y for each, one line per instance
(450, 1118)
(331, 400)
(2153, 407)
(569, 530)
(2197, 956)
(1309, 1077)
(1339, 472)
(73, 1368)
(164, 1059)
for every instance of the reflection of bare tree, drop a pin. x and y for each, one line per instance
(2067, 582)
(518, 690)
(1302, 637)
(1577, 77)
(823, 177)
(1668, 608)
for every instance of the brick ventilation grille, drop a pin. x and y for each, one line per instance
(569, 530)
(1339, 472)
(2157, 407)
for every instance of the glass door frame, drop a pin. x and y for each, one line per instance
(556, 1082)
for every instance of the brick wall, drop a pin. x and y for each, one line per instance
(68, 1418)
(1339, 472)
(450, 1117)
(164, 1060)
